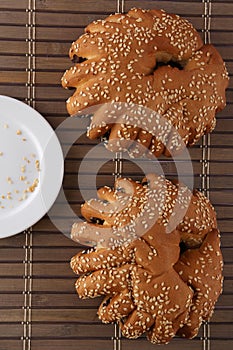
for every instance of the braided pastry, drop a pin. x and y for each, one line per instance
(145, 280)
(152, 59)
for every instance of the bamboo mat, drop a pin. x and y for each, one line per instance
(38, 306)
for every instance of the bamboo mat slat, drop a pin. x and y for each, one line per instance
(39, 309)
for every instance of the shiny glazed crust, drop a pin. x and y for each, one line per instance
(149, 284)
(123, 56)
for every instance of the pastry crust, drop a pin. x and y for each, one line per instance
(132, 208)
(149, 283)
(202, 270)
(123, 55)
(142, 283)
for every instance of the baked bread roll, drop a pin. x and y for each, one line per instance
(150, 284)
(152, 59)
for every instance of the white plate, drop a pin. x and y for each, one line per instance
(31, 166)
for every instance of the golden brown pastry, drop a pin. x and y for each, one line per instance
(152, 59)
(149, 285)
(202, 270)
(131, 208)
(158, 296)
(146, 292)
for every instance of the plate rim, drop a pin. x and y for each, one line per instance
(37, 203)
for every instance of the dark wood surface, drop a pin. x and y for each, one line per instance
(58, 320)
